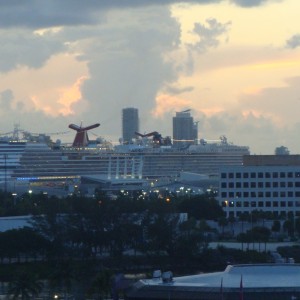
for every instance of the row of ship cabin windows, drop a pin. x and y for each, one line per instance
(261, 175)
(253, 184)
(282, 194)
(260, 203)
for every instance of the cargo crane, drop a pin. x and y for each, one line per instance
(157, 138)
(81, 138)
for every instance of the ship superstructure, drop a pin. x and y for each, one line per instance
(37, 158)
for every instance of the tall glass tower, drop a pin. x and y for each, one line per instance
(130, 123)
(183, 129)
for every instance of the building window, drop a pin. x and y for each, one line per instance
(260, 204)
(297, 184)
(260, 175)
(231, 204)
(223, 175)
(245, 175)
(224, 185)
(238, 204)
(268, 184)
(290, 184)
(253, 194)
(275, 184)
(268, 194)
(230, 175)
(253, 184)
(238, 185)
(246, 184)
(275, 203)
(246, 194)
(253, 204)
(282, 174)
(268, 175)
(282, 204)
(275, 194)
(268, 203)
(238, 194)
(297, 194)
(275, 175)
(290, 194)
(253, 175)
(297, 174)
(224, 195)
(290, 174)
(246, 203)
(282, 194)
(260, 184)
(231, 185)
(260, 194)
(290, 203)
(231, 195)
(238, 175)
(282, 184)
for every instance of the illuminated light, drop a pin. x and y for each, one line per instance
(168, 200)
(30, 191)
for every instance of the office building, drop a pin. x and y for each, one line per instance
(183, 129)
(270, 183)
(130, 123)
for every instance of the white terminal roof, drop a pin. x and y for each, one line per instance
(253, 276)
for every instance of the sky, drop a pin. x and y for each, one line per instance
(234, 63)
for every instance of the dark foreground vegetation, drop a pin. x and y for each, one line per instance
(77, 245)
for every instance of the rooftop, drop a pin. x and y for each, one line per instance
(253, 276)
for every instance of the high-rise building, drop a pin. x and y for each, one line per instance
(130, 123)
(183, 128)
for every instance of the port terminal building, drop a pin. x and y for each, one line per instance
(249, 282)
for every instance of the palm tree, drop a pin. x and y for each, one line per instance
(25, 285)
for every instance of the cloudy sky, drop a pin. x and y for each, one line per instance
(234, 63)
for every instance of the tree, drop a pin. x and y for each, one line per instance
(62, 278)
(25, 285)
(276, 226)
(261, 235)
(289, 227)
(223, 221)
(297, 225)
(201, 207)
(101, 284)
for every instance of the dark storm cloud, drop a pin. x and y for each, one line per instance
(22, 47)
(249, 3)
(209, 34)
(293, 42)
(43, 13)
(127, 65)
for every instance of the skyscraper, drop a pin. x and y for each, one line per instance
(183, 128)
(130, 123)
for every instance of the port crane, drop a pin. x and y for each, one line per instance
(157, 138)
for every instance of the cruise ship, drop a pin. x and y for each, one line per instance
(37, 158)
